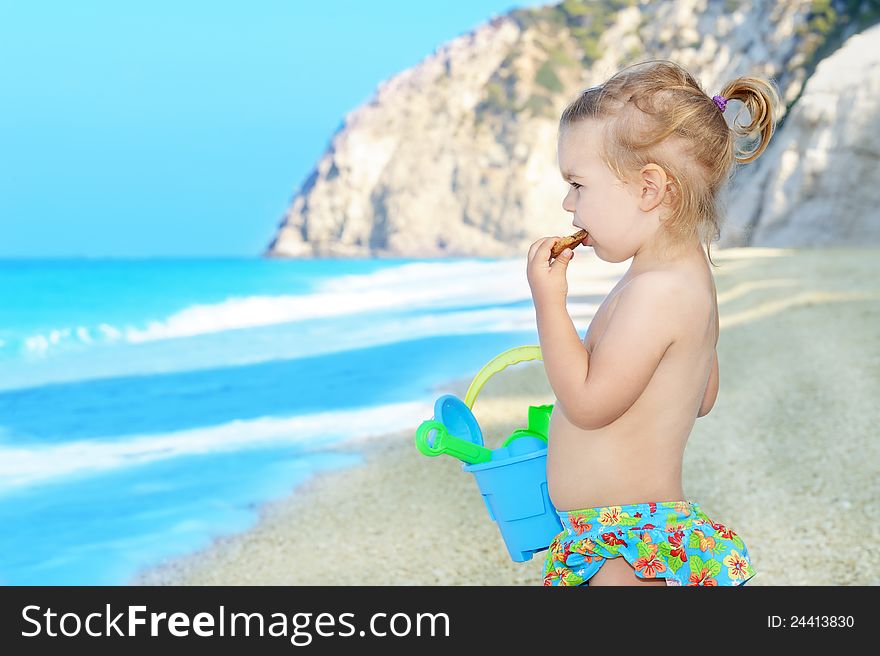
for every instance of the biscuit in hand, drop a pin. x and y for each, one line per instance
(568, 242)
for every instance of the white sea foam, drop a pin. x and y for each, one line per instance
(36, 344)
(226, 349)
(82, 334)
(408, 286)
(29, 465)
(253, 329)
(42, 342)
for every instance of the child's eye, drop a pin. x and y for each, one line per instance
(575, 185)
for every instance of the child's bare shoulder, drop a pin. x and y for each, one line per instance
(666, 284)
(666, 298)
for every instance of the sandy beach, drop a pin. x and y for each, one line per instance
(788, 457)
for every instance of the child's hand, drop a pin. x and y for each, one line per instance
(548, 281)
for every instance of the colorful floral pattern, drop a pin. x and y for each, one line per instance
(685, 548)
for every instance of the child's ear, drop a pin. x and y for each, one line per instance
(654, 186)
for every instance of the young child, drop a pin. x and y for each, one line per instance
(646, 155)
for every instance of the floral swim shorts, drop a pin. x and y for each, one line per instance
(674, 540)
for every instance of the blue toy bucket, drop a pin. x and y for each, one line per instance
(514, 488)
(515, 492)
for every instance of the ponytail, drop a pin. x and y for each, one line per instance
(761, 98)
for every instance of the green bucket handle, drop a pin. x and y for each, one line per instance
(498, 364)
(539, 416)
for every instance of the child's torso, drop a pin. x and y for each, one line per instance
(637, 458)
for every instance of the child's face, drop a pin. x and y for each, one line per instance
(611, 211)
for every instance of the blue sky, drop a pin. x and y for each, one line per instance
(185, 128)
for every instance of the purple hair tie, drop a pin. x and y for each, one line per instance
(721, 101)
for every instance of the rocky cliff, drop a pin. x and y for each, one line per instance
(457, 155)
(818, 183)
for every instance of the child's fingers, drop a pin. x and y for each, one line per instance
(541, 244)
(545, 248)
(533, 249)
(562, 261)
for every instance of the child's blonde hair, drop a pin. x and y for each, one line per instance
(657, 112)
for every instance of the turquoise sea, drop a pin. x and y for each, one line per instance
(147, 406)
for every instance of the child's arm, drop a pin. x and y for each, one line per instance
(594, 390)
(566, 360)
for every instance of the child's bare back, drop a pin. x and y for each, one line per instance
(638, 456)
